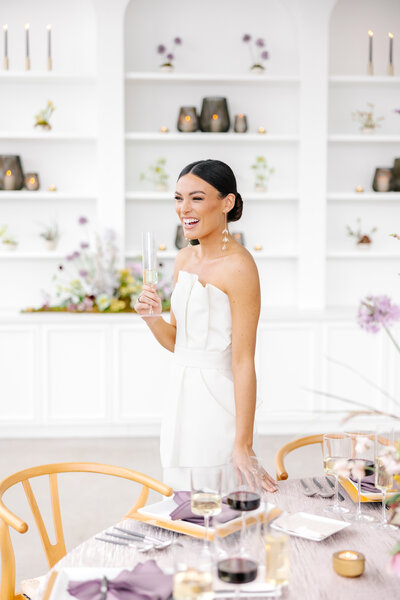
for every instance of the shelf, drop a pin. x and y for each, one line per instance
(367, 253)
(171, 254)
(368, 138)
(364, 79)
(44, 77)
(16, 255)
(250, 196)
(209, 77)
(364, 196)
(48, 136)
(208, 137)
(45, 195)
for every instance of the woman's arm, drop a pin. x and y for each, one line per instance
(165, 333)
(245, 299)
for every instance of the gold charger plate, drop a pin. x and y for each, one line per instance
(351, 489)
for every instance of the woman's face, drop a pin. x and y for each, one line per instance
(199, 206)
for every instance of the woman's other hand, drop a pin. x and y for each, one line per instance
(249, 467)
(148, 298)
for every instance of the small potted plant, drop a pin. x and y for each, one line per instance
(368, 123)
(43, 116)
(364, 240)
(262, 173)
(168, 55)
(51, 235)
(157, 175)
(8, 241)
(257, 52)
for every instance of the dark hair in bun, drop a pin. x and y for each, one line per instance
(219, 175)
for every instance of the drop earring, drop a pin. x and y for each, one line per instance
(225, 232)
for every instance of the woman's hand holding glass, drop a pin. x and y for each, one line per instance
(148, 300)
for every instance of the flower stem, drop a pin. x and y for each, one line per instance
(396, 345)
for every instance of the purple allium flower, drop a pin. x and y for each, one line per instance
(260, 43)
(377, 311)
(161, 49)
(84, 245)
(265, 54)
(397, 110)
(246, 37)
(170, 56)
(83, 273)
(83, 220)
(69, 257)
(60, 267)
(75, 254)
(88, 303)
(178, 41)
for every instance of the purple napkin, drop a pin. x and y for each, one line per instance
(367, 484)
(183, 510)
(145, 582)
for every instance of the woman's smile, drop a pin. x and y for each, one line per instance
(189, 222)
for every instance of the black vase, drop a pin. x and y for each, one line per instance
(214, 115)
(11, 175)
(382, 179)
(187, 119)
(395, 187)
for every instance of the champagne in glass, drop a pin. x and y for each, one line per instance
(193, 583)
(276, 557)
(205, 497)
(149, 261)
(384, 451)
(335, 447)
(206, 503)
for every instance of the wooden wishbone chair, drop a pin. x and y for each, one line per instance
(54, 552)
(281, 472)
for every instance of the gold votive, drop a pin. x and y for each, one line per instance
(162, 247)
(164, 129)
(261, 130)
(258, 247)
(52, 188)
(348, 563)
(359, 189)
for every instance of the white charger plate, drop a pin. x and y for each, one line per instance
(59, 591)
(310, 523)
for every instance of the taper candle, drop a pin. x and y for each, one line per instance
(390, 67)
(370, 65)
(49, 61)
(5, 62)
(27, 59)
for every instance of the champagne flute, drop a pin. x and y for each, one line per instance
(193, 574)
(384, 453)
(336, 447)
(362, 456)
(149, 260)
(205, 496)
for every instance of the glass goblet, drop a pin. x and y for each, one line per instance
(385, 452)
(336, 447)
(205, 493)
(361, 460)
(149, 261)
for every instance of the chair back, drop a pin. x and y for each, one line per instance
(281, 472)
(54, 552)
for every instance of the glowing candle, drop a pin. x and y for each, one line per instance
(348, 563)
(371, 37)
(214, 125)
(9, 180)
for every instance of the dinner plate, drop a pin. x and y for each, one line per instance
(308, 526)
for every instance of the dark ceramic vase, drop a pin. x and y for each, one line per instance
(214, 115)
(11, 175)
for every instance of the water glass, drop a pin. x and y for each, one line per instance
(385, 452)
(361, 459)
(193, 575)
(336, 447)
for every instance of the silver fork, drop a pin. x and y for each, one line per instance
(323, 492)
(103, 588)
(307, 491)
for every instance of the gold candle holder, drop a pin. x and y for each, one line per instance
(359, 189)
(261, 130)
(164, 129)
(5, 63)
(49, 64)
(390, 70)
(162, 247)
(27, 64)
(348, 563)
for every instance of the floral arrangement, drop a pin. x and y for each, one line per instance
(257, 52)
(8, 240)
(157, 175)
(43, 116)
(368, 123)
(362, 238)
(50, 233)
(168, 55)
(262, 173)
(89, 280)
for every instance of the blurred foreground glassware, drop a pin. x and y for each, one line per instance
(385, 452)
(277, 562)
(193, 574)
(362, 456)
(149, 261)
(336, 447)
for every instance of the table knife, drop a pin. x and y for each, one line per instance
(141, 536)
(322, 491)
(340, 496)
(130, 544)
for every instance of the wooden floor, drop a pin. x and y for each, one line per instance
(90, 502)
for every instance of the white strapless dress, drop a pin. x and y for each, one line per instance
(198, 427)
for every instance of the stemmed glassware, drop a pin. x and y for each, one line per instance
(384, 451)
(362, 457)
(205, 494)
(149, 261)
(336, 447)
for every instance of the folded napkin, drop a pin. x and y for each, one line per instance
(367, 484)
(145, 582)
(184, 512)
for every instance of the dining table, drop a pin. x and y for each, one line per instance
(312, 576)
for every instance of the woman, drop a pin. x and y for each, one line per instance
(215, 307)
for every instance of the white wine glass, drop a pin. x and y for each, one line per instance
(149, 261)
(385, 452)
(361, 460)
(205, 494)
(335, 447)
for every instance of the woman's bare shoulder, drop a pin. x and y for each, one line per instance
(182, 258)
(240, 270)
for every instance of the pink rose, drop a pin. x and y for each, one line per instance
(394, 565)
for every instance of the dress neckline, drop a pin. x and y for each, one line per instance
(203, 286)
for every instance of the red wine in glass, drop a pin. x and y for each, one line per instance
(243, 500)
(237, 570)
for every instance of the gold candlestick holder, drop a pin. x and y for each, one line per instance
(390, 70)
(49, 64)
(5, 63)
(27, 64)
(370, 69)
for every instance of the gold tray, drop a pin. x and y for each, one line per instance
(351, 489)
